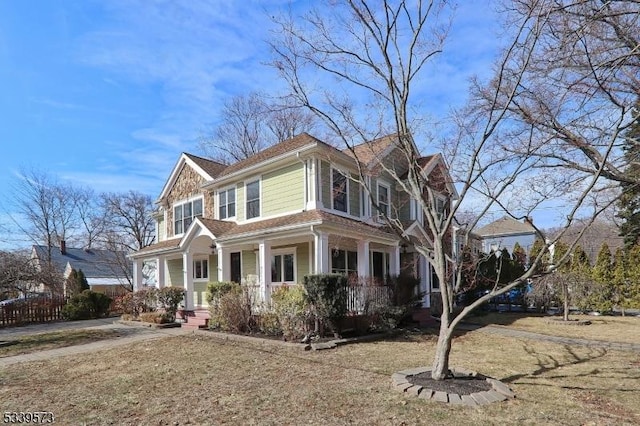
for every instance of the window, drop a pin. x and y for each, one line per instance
(435, 282)
(183, 215)
(379, 265)
(440, 206)
(344, 262)
(282, 268)
(339, 191)
(235, 260)
(201, 269)
(227, 203)
(253, 199)
(383, 199)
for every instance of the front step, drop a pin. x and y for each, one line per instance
(195, 319)
(424, 318)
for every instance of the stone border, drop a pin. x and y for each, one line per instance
(499, 391)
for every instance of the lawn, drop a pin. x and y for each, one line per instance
(195, 379)
(59, 339)
(606, 328)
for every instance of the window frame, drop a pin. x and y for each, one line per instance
(227, 203)
(248, 182)
(386, 186)
(183, 218)
(202, 262)
(282, 252)
(346, 256)
(342, 175)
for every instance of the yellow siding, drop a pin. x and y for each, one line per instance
(283, 190)
(175, 272)
(302, 261)
(213, 269)
(249, 263)
(200, 293)
(162, 232)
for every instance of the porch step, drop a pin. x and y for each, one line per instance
(198, 318)
(191, 326)
(423, 317)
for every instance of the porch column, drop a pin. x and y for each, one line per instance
(137, 275)
(363, 259)
(321, 250)
(264, 262)
(224, 264)
(187, 277)
(394, 261)
(160, 272)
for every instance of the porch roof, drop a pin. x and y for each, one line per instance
(158, 247)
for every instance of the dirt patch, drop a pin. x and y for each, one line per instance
(459, 385)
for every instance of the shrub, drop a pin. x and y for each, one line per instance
(86, 305)
(230, 307)
(169, 298)
(149, 317)
(267, 322)
(291, 309)
(327, 296)
(137, 302)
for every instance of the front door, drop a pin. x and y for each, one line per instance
(236, 267)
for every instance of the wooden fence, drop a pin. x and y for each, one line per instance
(31, 311)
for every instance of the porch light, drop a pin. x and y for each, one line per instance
(213, 247)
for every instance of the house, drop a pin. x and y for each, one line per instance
(505, 233)
(106, 271)
(294, 209)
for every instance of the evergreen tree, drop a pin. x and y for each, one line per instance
(629, 203)
(629, 291)
(76, 282)
(600, 294)
(519, 257)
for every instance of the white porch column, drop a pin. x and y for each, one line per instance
(363, 259)
(321, 250)
(187, 277)
(160, 272)
(394, 261)
(224, 264)
(264, 262)
(137, 275)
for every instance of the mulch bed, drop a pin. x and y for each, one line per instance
(460, 385)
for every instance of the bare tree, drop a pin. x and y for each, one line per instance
(376, 56)
(21, 274)
(91, 217)
(46, 210)
(250, 123)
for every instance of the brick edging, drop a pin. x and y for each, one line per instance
(499, 391)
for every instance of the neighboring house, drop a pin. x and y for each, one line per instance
(106, 271)
(505, 233)
(291, 210)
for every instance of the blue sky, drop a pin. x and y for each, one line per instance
(108, 93)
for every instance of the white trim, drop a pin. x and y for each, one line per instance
(246, 191)
(201, 258)
(218, 204)
(387, 186)
(184, 159)
(182, 203)
(282, 251)
(346, 191)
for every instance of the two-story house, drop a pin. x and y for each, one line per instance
(294, 209)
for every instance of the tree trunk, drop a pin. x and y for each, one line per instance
(565, 298)
(440, 368)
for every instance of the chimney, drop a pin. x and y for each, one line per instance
(63, 247)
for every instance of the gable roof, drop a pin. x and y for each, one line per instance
(94, 263)
(368, 152)
(274, 151)
(208, 169)
(505, 226)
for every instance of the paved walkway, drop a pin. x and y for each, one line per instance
(511, 332)
(138, 334)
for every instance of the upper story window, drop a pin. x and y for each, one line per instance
(227, 203)
(383, 199)
(440, 207)
(339, 191)
(253, 199)
(184, 213)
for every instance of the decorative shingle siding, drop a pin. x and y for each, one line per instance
(186, 186)
(283, 190)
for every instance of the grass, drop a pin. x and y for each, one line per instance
(193, 379)
(38, 342)
(606, 328)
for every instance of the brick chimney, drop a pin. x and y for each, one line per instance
(63, 247)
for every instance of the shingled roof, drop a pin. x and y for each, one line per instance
(505, 226)
(367, 152)
(93, 262)
(211, 167)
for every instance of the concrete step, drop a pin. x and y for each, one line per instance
(198, 321)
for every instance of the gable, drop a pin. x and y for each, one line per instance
(206, 169)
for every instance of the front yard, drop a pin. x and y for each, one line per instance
(195, 379)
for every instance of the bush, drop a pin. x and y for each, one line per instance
(267, 322)
(86, 305)
(138, 302)
(327, 296)
(149, 317)
(169, 298)
(291, 309)
(230, 307)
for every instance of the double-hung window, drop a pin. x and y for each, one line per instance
(283, 268)
(227, 204)
(339, 191)
(253, 199)
(201, 269)
(184, 213)
(344, 262)
(383, 199)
